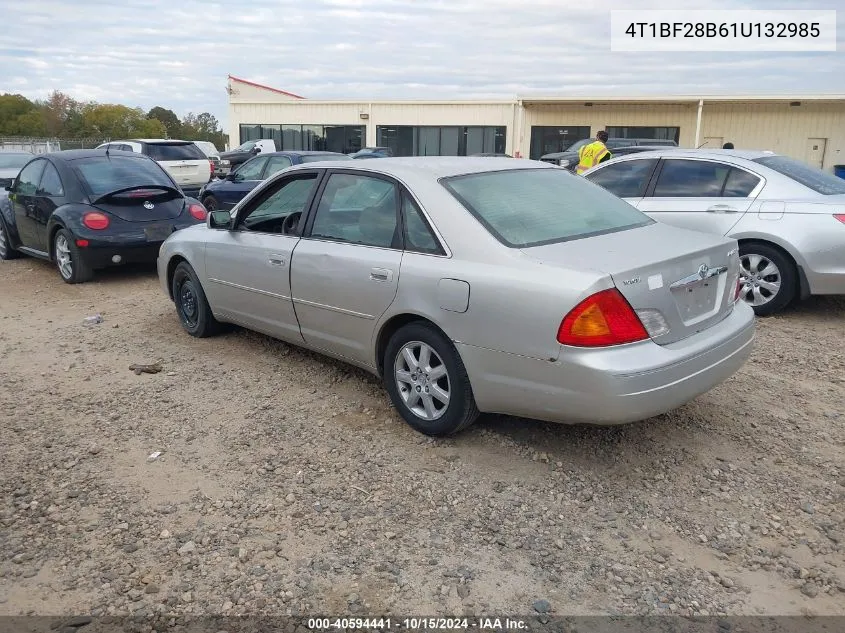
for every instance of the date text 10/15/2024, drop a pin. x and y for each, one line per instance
(416, 624)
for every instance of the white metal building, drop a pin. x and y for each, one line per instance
(810, 128)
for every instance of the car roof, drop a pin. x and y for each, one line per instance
(706, 153)
(435, 166)
(75, 154)
(152, 140)
(302, 152)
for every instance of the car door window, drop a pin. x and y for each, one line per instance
(627, 179)
(740, 183)
(691, 179)
(252, 169)
(51, 183)
(28, 179)
(269, 211)
(275, 164)
(418, 236)
(358, 209)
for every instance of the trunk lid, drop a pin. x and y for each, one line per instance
(143, 205)
(683, 279)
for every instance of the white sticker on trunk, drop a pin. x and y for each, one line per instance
(655, 282)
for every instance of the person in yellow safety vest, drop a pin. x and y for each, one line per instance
(592, 154)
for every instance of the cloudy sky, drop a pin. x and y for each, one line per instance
(178, 53)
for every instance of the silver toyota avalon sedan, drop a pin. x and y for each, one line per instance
(471, 285)
(787, 216)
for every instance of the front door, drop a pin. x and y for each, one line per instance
(48, 197)
(815, 151)
(248, 267)
(23, 203)
(345, 271)
(702, 195)
(244, 179)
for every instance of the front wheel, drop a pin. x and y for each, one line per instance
(72, 267)
(6, 250)
(427, 381)
(191, 305)
(768, 279)
(210, 203)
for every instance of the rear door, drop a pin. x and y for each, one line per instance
(345, 271)
(700, 194)
(185, 162)
(248, 267)
(23, 203)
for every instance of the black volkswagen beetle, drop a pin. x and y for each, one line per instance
(89, 209)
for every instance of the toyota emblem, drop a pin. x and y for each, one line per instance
(702, 270)
(148, 205)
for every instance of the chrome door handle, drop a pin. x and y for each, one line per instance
(277, 260)
(381, 274)
(721, 208)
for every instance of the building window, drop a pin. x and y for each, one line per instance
(556, 138)
(427, 140)
(343, 139)
(658, 133)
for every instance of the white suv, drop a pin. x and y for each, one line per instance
(183, 160)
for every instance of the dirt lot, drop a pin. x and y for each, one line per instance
(287, 484)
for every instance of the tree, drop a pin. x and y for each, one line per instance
(19, 116)
(169, 119)
(61, 112)
(119, 121)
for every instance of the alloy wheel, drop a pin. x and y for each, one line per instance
(422, 380)
(760, 279)
(64, 259)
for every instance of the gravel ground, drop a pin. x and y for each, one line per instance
(287, 485)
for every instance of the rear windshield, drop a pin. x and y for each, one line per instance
(816, 179)
(174, 151)
(14, 161)
(105, 174)
(531, 207)
(313, 158)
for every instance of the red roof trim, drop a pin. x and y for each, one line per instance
(255, 85)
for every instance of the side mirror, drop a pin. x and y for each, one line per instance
(11, 185)
(231, 176)
(219, 220)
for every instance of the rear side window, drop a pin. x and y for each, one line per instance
(51, 184)
(531, 207)
(174, 151)
(418, 235)
(626, 180)
(740, 184)
(691, 179)
(276, 163)
(102, 174)
(811, 177)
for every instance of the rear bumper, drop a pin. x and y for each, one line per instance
(612, 385)
(104, 256)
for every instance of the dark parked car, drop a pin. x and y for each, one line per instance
(225, 194)
(245, 151)
(373, 152)
(569, 158)
(89, 209)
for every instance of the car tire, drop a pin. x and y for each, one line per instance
(71, 264)
(191, 304)
(756, 259)
(6, 250)
(428, 414)
(210, 203)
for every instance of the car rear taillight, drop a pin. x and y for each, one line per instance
(602, 319)
(210, 168)
(95, 220)
(840, 217)
(197, 211)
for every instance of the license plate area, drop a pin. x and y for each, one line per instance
(697, 299)
(157, 232)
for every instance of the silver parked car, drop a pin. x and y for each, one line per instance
(471, 284)
(788, 217)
